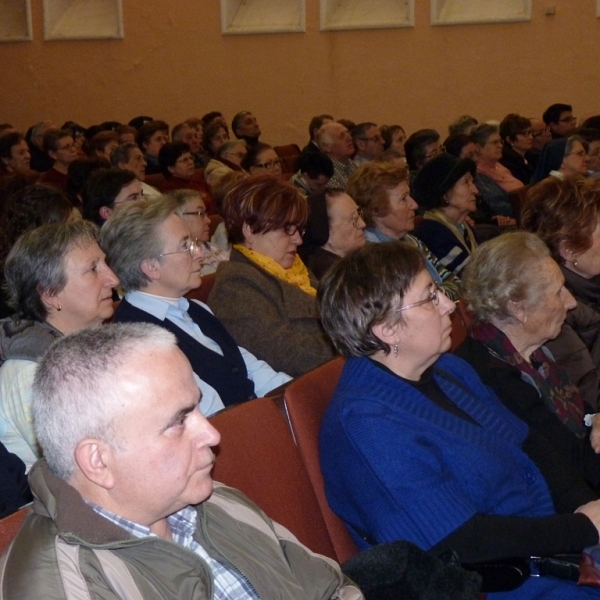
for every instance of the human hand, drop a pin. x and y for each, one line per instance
(504, 221)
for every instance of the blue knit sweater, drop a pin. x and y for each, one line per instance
(397, 466)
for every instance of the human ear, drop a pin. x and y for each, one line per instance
(93, 457)
(150, 268)
(517, 310)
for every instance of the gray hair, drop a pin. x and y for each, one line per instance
(501, 270)
(228, 146)
(132, 235)
(571, 140)
(122, 153)
(182, 197)
(482, 132)
(76, 391)
(36, 264)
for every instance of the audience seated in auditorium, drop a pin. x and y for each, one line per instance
(57, 283)
(315, 169)
(313, 127)
(60, 147)
(148, 244)
(445, 188)
(511, 289)
(129, 157)
(517, 137)
(261, 158)
(381, 191)
(487, 137)
(413, 444)
(192, 209)
(335, 141)
(14, 154)
(40, 161)
(153, 525)
(107, 191)
(560, 120)
(151, 138)
(562, 157)
(334, 228)
(245, 127)
(368, 142)
(264, 294)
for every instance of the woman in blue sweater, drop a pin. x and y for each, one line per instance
(414, 446)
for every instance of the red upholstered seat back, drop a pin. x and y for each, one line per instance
(257, 455)
(9, 526)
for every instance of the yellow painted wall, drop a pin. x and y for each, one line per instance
(174, 63)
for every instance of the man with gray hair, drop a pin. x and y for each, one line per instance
(367, 142)
(148, 246)
(125, 504)
(336, 142)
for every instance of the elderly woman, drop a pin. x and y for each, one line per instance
(58, 283)
(517, 295)
(228, 158)
(261, 158)
(335, 227)
(177, 166)
(264, 294)
(565, 214)
(193, 211)
(517, 139)
(561, 158)
(489, 143)
(445, 187)
(414, 446)
(382, 193)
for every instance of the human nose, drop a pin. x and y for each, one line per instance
(474, 188)
(445, 305)
(569, 301)
(207, 434)
(110, 279)
(198, 252)
(297, 238)
(412, 204)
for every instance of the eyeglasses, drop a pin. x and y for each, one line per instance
(192, 245)
(196, 213)
(72, 146)
(356, 217)
(269, 165)
(374, 138)
(434, 296)
(291, 228)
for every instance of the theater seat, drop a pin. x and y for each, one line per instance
(257, 455)
(305, 400)
(288, 155)
(9, 526)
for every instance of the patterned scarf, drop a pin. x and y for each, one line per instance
(297, 274)
(552, 384)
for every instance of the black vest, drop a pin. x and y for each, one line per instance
(227, 373)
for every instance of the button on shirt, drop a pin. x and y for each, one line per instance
(229, 584)
(260, 373)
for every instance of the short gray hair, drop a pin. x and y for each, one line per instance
(571, 140)
(504, 269)
(131, 236)
(36, 264)
(121, 154)
(76, 388)
(182, 197)
(228, 146)
(482, 132)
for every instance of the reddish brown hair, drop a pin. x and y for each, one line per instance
(265, 203)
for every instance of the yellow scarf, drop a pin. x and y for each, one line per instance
(297, 274)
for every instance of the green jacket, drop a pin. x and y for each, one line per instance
(65, 550)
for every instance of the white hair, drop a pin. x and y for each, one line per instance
(76, 391)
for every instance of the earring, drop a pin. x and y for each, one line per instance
(575, 263)
(395, 350)
(59, 307)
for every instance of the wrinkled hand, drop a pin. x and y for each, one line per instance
(592, 511)
(595, 433)
(504, 221)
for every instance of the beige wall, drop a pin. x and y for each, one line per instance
(174, 63)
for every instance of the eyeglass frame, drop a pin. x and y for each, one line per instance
(196, 213)
(434, 297)
(273, 163)
(193, 245)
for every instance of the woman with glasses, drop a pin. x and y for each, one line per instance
(414, 446)
(264, 294)
(193, 211)
(177, 166)
(445, 188)
(489, 144)
(262, 159)
(334, 228)
(517, 138)
(60, 147)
